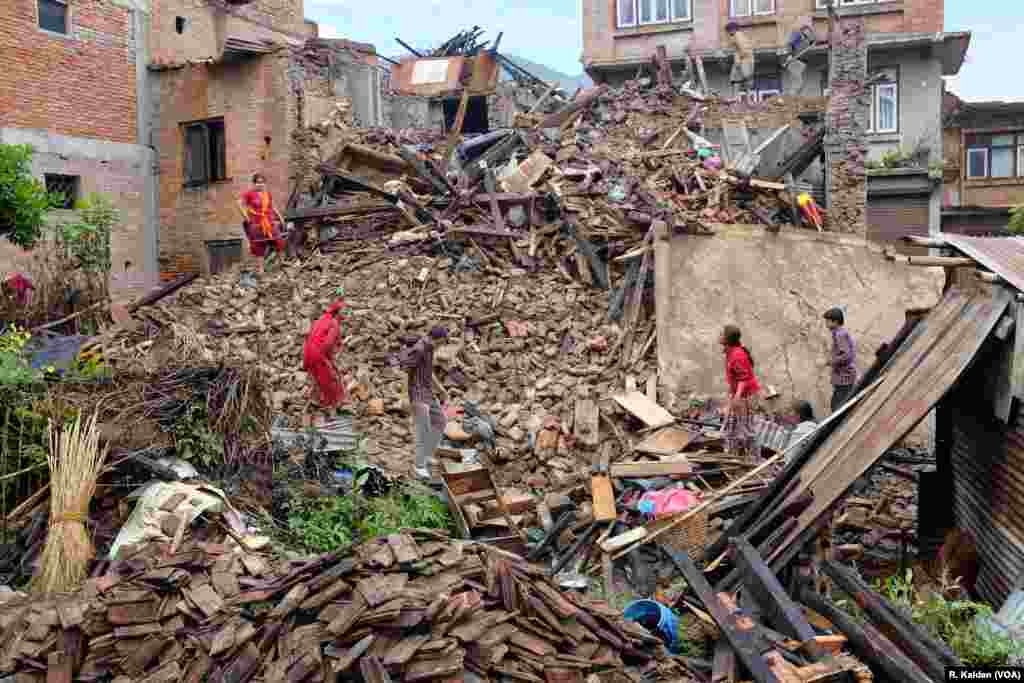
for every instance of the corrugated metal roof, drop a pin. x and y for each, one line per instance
(928, 364)
(1002, 255)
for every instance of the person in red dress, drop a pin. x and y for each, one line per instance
(738, 426)
(261, 221)
(322, 344)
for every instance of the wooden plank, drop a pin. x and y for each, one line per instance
(601, 487)
(347, 659)
(666, 441)
(723, 666)
(460, 119)
(625, 470)
(867, 642)
(406, 648)
(622, 540)
(741, 640)
(59, 668)
(348, 616)
(1017, 383)
(644, 409)
(586, 426)
(404, 547)
(782, 613)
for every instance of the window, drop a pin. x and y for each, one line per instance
(179, 24)
(646, 12)
(205, 160)
(823, 4)
(744, 8)
(53, 16)
(64, 185)
(765, 88)
(883, 110)
(995, 155)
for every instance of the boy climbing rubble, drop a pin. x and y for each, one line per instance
(418, 359)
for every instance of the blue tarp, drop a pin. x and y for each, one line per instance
(60, 352)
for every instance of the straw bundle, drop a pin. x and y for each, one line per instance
(76, 460)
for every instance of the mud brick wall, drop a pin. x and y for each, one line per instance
(92, 69)
(774, 113)
(259, 110)
(846, 138)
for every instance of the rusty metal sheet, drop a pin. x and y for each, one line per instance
(1001, 255)
(917, 379)
(428, 77)
(988, 485)
(485, 73)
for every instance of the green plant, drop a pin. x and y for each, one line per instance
(1017, 220)
(193, 439)
(24, 201)
(323, 524)
(86, 241)
(953, 621)
(403, 510)
(14, 366)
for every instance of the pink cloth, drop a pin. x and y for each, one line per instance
(670, 501)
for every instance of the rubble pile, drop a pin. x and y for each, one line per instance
(411, 607)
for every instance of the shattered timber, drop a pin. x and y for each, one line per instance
(574, 471)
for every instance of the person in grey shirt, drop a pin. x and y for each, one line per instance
(807, 424)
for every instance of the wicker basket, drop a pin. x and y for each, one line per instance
(690, 536)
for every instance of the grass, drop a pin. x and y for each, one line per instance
(337, 522)
(951, 620)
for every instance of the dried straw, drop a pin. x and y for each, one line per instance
(76, 460)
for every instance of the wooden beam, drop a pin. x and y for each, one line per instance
(626, 470)
(866, 641)
(933, 242)
(460, 119)
(764, 587)
(932, 656)
(944, 261)
(742, 640)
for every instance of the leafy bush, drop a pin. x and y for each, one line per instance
(14, 366)
(24, 201)
(1017, 220)
(86, 242)
(195, 441)
(336, 522)
(952, 621)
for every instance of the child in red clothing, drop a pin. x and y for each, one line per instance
(738, 427)
(260, 220)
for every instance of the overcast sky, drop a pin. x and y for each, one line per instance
(553, 36)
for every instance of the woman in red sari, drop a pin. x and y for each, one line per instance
(260, 220)
(738, 426)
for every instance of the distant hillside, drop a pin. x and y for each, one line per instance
(568, 83)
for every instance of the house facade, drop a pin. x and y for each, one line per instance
(71, 87)
(984, 164)
(243, 88)
(907, 56)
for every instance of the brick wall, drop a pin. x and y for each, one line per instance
(846, 139)
(257, 105)
(82, 84)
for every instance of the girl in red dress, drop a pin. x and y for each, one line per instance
(260, 220)
(738, 426)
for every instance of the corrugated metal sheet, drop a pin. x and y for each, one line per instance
(926, 366)
(1002, 255)
(339, 433)
(988, 487)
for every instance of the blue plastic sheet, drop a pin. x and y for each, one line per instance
(59, 352)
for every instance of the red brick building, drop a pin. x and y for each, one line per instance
(984, 164)
(234, 84)
(69, 86)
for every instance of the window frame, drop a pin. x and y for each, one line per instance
(74, 181)
(877, 99)
(214, 155)
(67, 18)
(892, 80)
(973, 146)
(973, 150)
(638, 22)
(753, 11)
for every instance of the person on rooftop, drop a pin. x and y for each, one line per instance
(742, 75)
